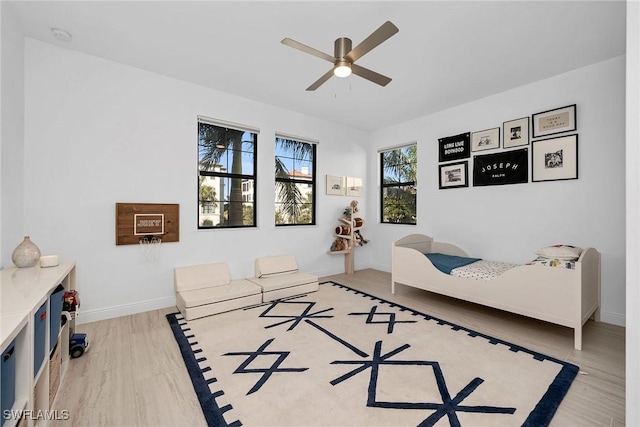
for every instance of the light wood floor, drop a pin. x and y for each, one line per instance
(133, 374)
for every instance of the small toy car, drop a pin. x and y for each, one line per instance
(78, 344)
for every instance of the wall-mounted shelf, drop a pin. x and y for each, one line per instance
(338, 252)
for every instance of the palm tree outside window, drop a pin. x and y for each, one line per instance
(398, 191)
(295, 171)
(227, 177)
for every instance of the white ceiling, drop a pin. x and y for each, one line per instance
(446, 53)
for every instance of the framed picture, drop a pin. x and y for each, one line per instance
(354, 186)
(515, 133)
(485, 139)
(554, 159)
(454, 175)
(554, 121)
(454, 147)
(335, 185)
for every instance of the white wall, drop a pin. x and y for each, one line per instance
(508, 223)
(11, 135)
(98, 132)
(633, 215)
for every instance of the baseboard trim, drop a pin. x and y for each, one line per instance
(340, 270)
(141, 307)
(613, 318)
(125, 310)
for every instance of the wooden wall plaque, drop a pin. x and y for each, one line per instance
(134, 221)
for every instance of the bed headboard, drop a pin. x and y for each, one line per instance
(419, 242)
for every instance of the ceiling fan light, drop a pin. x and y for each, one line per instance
(342, 69)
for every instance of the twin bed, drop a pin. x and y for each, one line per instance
(564, 296)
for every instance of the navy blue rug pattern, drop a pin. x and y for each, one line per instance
(270, 359)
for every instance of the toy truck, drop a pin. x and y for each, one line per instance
(78, 344)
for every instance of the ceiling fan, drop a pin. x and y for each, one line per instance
(344, 56)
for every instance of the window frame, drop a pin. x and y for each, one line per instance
(400, 184)
(293, 180)
(243, 177)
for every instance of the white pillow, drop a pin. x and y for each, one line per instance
(563, 252)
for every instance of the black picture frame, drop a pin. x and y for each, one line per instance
(554, 159)
(552, 122)
(515, 133)
(453, 175)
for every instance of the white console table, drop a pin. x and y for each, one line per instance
(22, 292)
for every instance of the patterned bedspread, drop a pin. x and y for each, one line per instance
(487, 270)
(482, 270)
(549, 262)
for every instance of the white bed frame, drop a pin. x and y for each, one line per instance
(557, 295)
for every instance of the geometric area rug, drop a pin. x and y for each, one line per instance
(342, 357)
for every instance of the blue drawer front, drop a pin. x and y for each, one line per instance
(8, 377)
(55, 311)
(40, 329)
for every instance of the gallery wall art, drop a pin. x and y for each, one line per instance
(552, 158)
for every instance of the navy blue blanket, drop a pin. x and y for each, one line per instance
(446, 263)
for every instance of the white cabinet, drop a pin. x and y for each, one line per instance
(38, 364)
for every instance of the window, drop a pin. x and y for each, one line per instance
(398, 168)
(226, 175)
(295, 182)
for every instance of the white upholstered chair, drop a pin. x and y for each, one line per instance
(206, 289)
(279, 277)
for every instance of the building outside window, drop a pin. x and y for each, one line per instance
(227, 176)
(208, 208)
(295, 170)
(398, 168)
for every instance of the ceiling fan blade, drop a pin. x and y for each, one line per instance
(385, 31)
(321, 80)
(303, 47)
(370, 75)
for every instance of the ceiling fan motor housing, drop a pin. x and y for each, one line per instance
(342, 65)
(342, 47)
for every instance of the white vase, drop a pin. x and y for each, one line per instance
(26, 254)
